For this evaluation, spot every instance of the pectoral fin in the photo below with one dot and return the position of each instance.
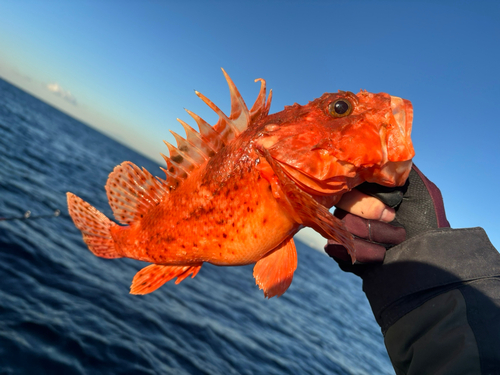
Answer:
(153, 276)
(305, 210)
(274, 273)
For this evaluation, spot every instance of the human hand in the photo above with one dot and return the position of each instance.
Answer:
(368, 215)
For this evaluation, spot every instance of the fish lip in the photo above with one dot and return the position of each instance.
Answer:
(401, 147)
(318, 189)
(398, 107)
(326, 199)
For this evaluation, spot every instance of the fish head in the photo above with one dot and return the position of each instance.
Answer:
(341, 140)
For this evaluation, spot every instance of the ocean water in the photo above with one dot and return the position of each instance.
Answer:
(65, 311)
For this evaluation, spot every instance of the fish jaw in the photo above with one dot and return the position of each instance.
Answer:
(329, 156)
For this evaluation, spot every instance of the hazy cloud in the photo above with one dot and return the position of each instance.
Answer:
(59, 91)
(19, 74)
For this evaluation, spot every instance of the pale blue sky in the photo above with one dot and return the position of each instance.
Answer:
(130, 67)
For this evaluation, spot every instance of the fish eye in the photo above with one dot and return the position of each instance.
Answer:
(340, 108)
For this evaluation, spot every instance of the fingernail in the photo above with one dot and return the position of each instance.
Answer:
(388, 215)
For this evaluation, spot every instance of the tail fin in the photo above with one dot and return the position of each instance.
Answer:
(95, 227)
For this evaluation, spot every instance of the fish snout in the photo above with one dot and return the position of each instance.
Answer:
(399, 144)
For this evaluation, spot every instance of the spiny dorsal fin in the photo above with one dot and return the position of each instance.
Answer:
(207, 133)
(225, 127)
(197, 141)
(181, 159)
(197, 148)
(240, 117)
(260, 108)
(132, 192)
(189, 149)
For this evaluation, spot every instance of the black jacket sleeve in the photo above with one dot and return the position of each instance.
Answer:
(437, 298)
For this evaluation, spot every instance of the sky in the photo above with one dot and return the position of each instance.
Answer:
(129, 68)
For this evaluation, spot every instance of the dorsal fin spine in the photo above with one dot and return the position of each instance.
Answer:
(171, 181)
(194, 150)
(268, 104)
(177, 157)
(207, 132)
(173, 172)
(197, 141)
(239, 116)
(225, 127)
(260, 107)
(188, 149)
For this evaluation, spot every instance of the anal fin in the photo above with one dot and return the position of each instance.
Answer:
(154, 276)
(274, 273)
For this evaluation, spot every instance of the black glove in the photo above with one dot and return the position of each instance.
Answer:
(419, 208)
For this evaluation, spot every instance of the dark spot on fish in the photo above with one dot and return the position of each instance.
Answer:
(177, 159)
(171, 169)
(183, 246)
(224, 235)
(264, 221)
(195, 244)
(254, 235)
(248, 209)
(183, 148)
(269, 187)
(220, 245)
(232, 225)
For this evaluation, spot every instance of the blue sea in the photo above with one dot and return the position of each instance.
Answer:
(65, 311)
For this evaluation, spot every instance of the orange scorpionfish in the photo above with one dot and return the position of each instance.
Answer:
(237, 192)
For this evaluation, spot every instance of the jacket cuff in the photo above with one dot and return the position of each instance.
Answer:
(425, 266)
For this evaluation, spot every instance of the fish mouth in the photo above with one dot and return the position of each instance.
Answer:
(314, 185)
(399, 144)
(399, 107)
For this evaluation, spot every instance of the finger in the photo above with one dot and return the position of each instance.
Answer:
(366, 252)
(365, 206)
(374, 231)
